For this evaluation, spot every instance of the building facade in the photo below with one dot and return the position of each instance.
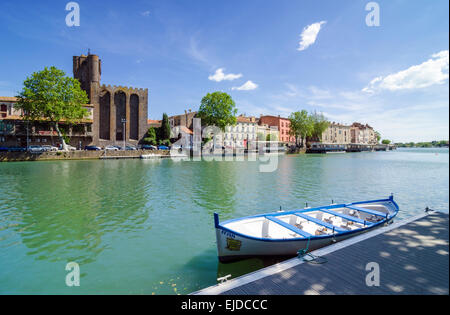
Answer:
(363, 134)
(241, 134)
(262, 131)
(283, 126)
(337, 134)
(120, 113)
(17, 132)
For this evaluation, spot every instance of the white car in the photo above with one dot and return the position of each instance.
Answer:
(36, 149)
(50, 148)
(111, 148)
(71, 148)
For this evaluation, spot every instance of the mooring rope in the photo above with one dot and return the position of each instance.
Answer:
(302, 253)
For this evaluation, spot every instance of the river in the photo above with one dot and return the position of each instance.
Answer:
(146, 226)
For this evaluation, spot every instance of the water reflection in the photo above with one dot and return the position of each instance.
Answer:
(62, 210)
(214, 186)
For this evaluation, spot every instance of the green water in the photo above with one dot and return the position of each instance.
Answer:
(143, 227)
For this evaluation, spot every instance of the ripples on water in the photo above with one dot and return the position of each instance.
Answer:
(143, 227)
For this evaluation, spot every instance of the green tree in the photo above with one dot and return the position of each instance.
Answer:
(320, 124)
(386, 141)
(271, 137)
(443, 143)
(218, 109)
(49, 95)
(164, 130)
(302, 126)
(151, 136)
(378, 135)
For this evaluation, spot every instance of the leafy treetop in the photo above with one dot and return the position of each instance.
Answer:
(218, 109)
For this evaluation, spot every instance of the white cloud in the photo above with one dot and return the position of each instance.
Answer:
(220, 76)
(199, 54)
(309, 35)
(145, 13)
(431, 72)
(407, 118)
(247, 86)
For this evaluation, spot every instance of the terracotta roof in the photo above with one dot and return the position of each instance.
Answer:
(245, 119)
(8, 99)
(272, 116)
(186, 130)
(154, 123)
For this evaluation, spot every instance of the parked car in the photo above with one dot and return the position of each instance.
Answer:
(69, 147)
(92, 148)
(163, 147)
(50, 148)
(148, 147)
(4, 149)
(36, 149)
(112, 148)
(16, 149)
(130, 148)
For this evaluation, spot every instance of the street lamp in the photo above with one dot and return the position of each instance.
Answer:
(124, 121)
(28, 137)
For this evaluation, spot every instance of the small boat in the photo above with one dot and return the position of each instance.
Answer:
(285, 233)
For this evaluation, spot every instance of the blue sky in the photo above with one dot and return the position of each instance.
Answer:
(394, 76)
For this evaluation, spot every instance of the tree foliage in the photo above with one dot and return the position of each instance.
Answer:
(151, 136)
(271, 137)
(378, 135)
(218, 109)
(302, 125)
(320, 124)
(164, 130)
(386, 141)
(50, 95)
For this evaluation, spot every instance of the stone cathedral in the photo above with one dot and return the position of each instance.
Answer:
(112, 105)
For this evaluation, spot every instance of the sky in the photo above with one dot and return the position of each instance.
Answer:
(273, 57)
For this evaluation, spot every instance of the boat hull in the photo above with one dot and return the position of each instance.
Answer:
(232, 245)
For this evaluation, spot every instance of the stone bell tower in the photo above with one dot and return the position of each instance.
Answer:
(88, 70)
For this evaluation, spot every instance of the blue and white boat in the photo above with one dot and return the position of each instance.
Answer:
(285, 233)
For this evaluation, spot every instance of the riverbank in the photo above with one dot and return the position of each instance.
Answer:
(75, 155)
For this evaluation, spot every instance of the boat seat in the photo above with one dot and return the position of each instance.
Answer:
(265, 229)
(288, 226)
(319, 216)
(369, 211)
(328, 225)
(321, 231)
(346, 217)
